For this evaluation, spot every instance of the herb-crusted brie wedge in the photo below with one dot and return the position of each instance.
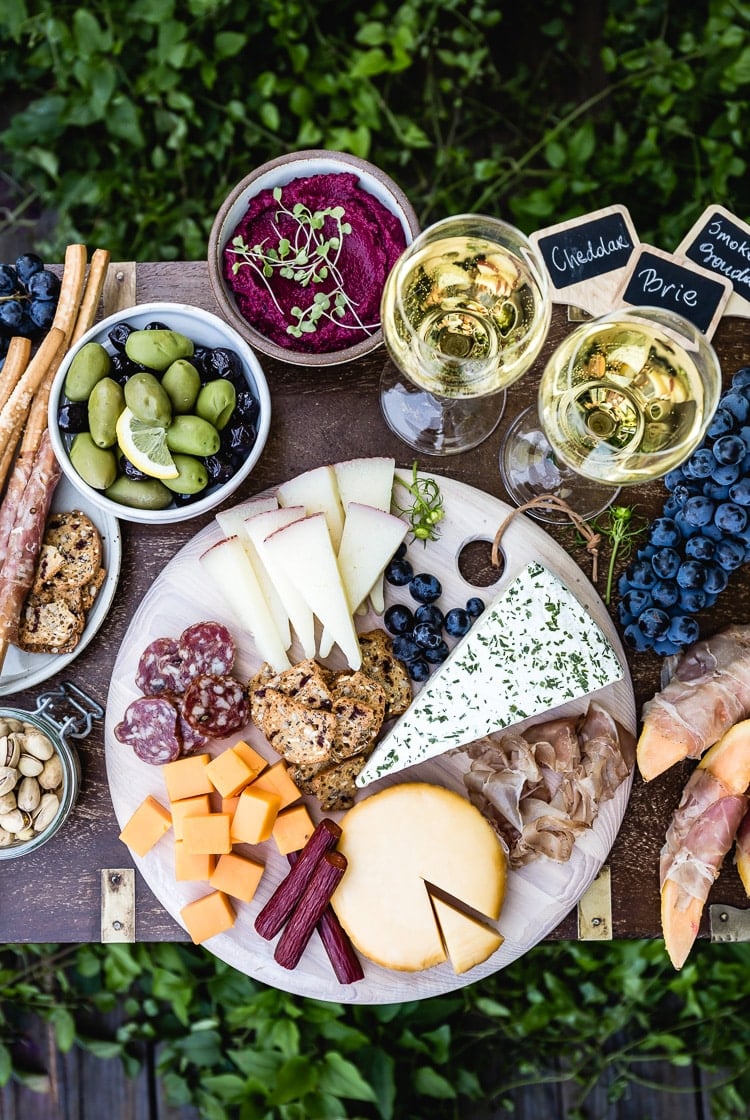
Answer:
(533, 649)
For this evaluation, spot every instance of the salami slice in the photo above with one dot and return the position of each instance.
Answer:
(159, 668)
(205, 648)
(150, 725)
(216, 705)
(192, 740)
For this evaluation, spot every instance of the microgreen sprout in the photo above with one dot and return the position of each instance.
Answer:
(621, 527)
(426, 510)
(307, 252)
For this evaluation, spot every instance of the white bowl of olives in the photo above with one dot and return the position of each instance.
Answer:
(159, 413)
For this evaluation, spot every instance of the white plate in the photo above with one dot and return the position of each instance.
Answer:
(539, 895)
(25, 670)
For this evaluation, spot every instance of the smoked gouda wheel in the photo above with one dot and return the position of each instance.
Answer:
(400, 841)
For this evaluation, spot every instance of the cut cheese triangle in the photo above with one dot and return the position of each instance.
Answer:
(258, 528)
(396, 842)
(370, 482)
(304, 552)
(468, 941)
(317, 491)
(534, 648)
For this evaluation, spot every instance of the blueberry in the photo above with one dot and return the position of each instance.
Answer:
(398, 572)
(722, 422)
(665, 593)
(26, 265)
(405, 648)
(715, 578)
(653, 622)
(398, 619)
(700, 547)
(730, 555)
(44, 285)
(739, 492)
(418, 669)
(665, 532)
(640, 574)
(431, 614)
(475, 606)
(425, 588)
(438, 653)
(665, 562)
(730, 518)
(458, 622)
(729, 449)
(635, 638)
(426, 636)
(699, 510)
(683, 630)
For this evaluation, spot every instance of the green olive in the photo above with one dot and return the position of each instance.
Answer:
(106, 402)
(193, 476)
(191, 435)
(182, 383)
(157, 349)
(95, 465)
(216, 402)
(149, 493)
(91, 364)
(146, 399)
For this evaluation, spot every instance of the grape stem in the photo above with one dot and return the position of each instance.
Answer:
(621, 528)
(426, 510)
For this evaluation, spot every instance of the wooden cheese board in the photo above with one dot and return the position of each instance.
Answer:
(539, 895)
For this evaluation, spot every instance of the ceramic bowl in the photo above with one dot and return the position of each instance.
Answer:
(278, 173)
(205, 330)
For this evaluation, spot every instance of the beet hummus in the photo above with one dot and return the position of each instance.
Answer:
(308, 262)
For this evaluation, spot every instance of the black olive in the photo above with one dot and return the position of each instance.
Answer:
(201, 359)
(224, 362)
(73, 417)
(131, 471)
(218, 468)
(239, 437)
(156, 326)
(121, 367)
(247, 407)
(118, 336)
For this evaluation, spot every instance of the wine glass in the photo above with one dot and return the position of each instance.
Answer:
(465, 312)
(624, 399)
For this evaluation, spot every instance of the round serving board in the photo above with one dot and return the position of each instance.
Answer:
(538, 896)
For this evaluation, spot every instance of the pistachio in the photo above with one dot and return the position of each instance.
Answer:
(37, 744)
(29, 766)
(7, 802)
(46, 812)
(8, 778)
(14, 724)
(6, 838)
(51, 774)
(10, 749)
(25, 834)
(4, 727)
(13, 821)
(29, 794)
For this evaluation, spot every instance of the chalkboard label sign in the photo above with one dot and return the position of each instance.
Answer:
(585, 257)
(720, 242)
(658, 279)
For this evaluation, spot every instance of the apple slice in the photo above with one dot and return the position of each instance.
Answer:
(229, 567)
(368, 542)
(232, 523)
(370, 482)
(317, 491)
(304, 551)
(258, 528)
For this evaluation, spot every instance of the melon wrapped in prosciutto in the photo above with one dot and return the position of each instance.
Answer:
(542, 788)
(709, 692)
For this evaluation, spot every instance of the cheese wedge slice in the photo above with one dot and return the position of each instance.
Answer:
(232, 524)
(468, 942)
(368, 481)
(317, 491)
(229, 568)
(534, 648)
(258, 528)
(397, 842)
(303, 550)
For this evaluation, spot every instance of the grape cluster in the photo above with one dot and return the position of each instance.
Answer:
(418, 633)
(702, 536)
(28, 300)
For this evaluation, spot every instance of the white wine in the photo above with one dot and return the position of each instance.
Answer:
(624, 399)
(464, 316)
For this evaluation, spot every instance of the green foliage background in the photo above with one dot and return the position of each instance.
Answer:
(131, 119)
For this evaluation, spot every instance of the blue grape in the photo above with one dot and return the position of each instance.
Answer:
(398, 619)
(665, 532)
(429, 612)
(426, 636)
(683, 630)
(727, 473)
(418, 669)
(692, 599)
(475, 606)
(635, 638)
(437, 653)
(665, 647)
(653, 622)
(399, 572)
(699, 510)
(665, 593)
(730, 518)
(700, 547)
(691, 574)
(739, 492)
(640, 574)
(425, 588)
(715, 579)
(635, 601)
(741, 379)
(405, 648)
(674, 478)
(721, 423)
(700, 464)
(457, 622)
(735, 402)
(666, 562)
(730, 554)
(729, 449)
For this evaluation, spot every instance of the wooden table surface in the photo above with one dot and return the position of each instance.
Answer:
(321, 416)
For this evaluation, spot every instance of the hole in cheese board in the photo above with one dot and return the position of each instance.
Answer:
(474, 561)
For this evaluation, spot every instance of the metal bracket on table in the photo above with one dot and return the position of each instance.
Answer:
(595, 909)
(118, 904)
(728, 923)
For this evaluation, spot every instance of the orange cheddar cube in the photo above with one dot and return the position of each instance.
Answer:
(187, 777)
(254, 760)
(188, 807)
(191, 865)
(205, 917)
(148, 824)
(229, 772)
(292, 829)
(237, 876)
(229, 804)
(207, 834)
(276, 780)
(254, 816)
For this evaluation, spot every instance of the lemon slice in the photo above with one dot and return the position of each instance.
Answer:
(145, 444)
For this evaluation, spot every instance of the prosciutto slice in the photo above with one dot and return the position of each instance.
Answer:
(700, 834)
(709, 692)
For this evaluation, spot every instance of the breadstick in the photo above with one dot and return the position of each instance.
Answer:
(71, 290)
(13, 412)
(92, 294)
(16, 361)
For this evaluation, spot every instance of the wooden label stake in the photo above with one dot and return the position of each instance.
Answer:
(119, 287)
(595, 909)
(118, 904)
